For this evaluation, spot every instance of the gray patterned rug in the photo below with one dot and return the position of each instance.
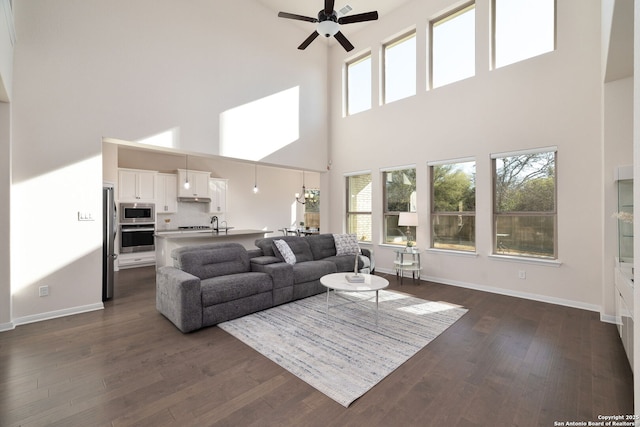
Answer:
(344, 354)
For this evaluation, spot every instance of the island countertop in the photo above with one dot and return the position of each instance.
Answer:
(168, 240)
(206, 233)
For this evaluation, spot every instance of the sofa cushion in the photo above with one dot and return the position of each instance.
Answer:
(322, 245)
(212, 261)
(346, 244)
(283, 251)
(217, 290)
(266, 244)
(312, 270)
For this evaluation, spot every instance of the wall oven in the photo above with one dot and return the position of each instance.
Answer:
(134, 213)
(137, 238)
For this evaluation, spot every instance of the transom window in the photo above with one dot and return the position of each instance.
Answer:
(453, 206)
(522, 29)
(525, 215)
(400, 68)
(399, 196)
(453, 54)
(359, 206)
(359, 85)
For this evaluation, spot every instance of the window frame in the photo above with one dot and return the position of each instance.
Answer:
(494, 65)
(452, 14)
(395, 41)
(349, 213)
(433, 212)
(553, 214)
(386, 213)
(351, 62)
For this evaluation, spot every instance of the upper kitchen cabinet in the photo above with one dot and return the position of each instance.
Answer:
(167, 201)
(198, 183)
(136, 185)
(218, 194)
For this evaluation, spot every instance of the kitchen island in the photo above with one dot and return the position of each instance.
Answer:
(168, 240)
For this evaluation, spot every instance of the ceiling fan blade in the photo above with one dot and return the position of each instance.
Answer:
(343, 41)
(297, 17)
(328, 7)
(308, 40)
(360, 17)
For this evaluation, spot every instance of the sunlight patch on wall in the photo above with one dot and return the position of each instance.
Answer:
(47, 233)
(168, 139)
(257, 129)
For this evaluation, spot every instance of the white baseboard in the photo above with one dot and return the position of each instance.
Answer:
(58, 313)
(511, 293)
(7, 326)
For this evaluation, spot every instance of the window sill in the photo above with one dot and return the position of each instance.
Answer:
(453, 252)
(539, 261)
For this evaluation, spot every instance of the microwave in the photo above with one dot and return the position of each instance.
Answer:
(134, 213)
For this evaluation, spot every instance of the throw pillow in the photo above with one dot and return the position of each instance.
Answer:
(285, 251)
(346, 244)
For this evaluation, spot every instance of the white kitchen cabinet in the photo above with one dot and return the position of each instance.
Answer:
(218, 194)
(198, 183)
(167, 200)
(136, 185)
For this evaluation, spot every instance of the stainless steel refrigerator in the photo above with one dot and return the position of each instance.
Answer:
(109, 255)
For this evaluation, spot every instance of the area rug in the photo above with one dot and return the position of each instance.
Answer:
(343, 352)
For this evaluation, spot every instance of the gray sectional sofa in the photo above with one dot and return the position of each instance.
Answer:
(213, 283)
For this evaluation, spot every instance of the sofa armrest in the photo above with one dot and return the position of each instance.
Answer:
(281, 273)
(178, 298)
(369, 254)
(264, 260)
(254, 253)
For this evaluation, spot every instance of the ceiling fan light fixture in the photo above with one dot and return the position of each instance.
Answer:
(328, 28)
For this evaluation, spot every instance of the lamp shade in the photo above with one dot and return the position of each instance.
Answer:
(408, 219)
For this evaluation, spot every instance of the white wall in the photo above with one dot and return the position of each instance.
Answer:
(7, 38)
(129, 70)
(551, 100)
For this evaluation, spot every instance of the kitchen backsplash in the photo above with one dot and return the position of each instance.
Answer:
(188, 214)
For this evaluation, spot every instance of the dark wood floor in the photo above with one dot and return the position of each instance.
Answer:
(507, 362)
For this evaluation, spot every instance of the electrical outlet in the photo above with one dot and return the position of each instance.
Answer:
(522, 274)
(43, 291)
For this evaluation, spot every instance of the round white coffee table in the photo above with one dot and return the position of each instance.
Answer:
(339, 282)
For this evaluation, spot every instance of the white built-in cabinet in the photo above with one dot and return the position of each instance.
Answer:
(624, 307)
(136, 185)
(218, 194)
(167, 200)
(198, 183)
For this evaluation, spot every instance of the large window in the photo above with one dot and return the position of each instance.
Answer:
(359, 85)
(525, 204)
(453, 54)
(359, 206)
(522, 29)
(400, 68)
(453, 206)
(399, 196)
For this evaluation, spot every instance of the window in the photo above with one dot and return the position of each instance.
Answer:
(453, 54)
(453, 206)
(312, 208)
(525, 204)
(399, 196)
(359, 206)
(522, 29)
(400, 68)
(359, 85)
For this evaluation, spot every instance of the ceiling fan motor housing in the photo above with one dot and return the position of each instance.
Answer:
(328, 24)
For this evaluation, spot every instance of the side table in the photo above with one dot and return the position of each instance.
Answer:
(407, 261)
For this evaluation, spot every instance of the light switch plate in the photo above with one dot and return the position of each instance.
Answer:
(85, 216)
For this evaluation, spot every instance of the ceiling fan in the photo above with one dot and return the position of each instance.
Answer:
(329, 24)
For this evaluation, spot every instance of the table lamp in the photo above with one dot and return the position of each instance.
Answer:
(408, 219)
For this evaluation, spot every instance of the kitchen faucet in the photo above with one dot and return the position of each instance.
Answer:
(214, 219)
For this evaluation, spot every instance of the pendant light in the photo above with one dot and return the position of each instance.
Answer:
(255, 180)
(304, 192)
(186, 184)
